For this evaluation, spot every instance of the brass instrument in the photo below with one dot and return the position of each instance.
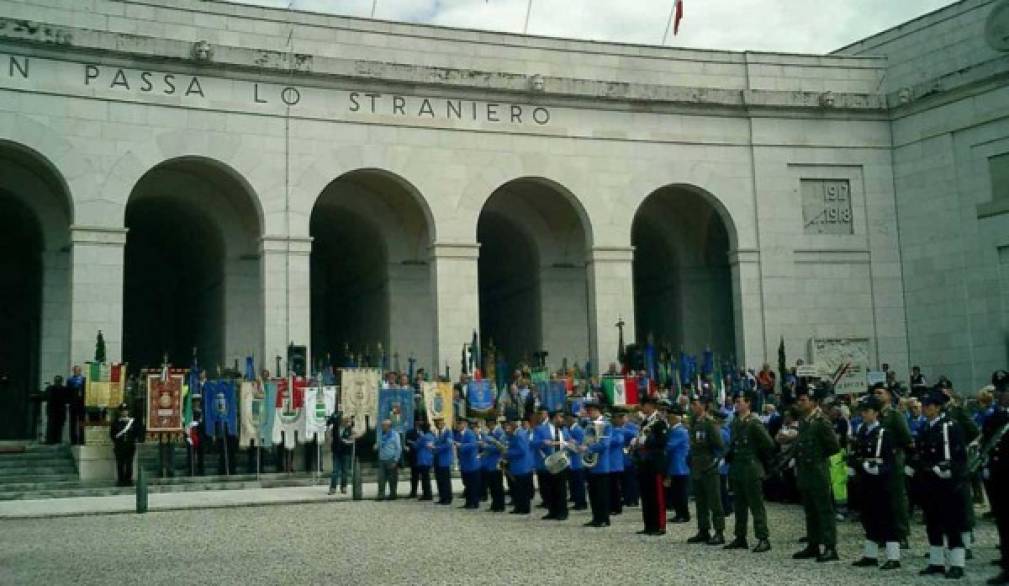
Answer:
(502, 447)
(978, 454)
(593, 434)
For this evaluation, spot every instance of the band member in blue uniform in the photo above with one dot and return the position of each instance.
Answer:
(491, 441)
(520, 467)
(677, 471)
(559, 440)
(941, 472)
(616, 457)
(576, 475)
(597, 444)
(424, 453)
(629, 489)
(443, 456)
(469, 464)
(872, 463)
(75, 398)
(538, 443)
(649, 450)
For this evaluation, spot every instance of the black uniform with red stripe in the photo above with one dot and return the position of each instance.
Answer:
(996, 472)
(650, 459)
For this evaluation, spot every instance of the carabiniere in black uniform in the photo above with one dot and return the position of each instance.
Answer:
(649, 456)
(995, 467)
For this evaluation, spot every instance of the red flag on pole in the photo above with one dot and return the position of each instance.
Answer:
(678, 17)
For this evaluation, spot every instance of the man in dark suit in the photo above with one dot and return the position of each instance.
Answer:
(649, 455)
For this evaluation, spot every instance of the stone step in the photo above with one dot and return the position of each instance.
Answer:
(34, 459)
(65, 469)
(35, 478)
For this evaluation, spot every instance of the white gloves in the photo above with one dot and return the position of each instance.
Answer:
(851, 471)
(721, 462)
(944, 474)
(908, 471)
(870, 468)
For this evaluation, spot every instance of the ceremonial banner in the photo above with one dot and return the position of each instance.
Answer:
(117, 384)
(396, 405)
(620, 391)
(360, 394)
(164, 403)
(264, 432)
(553, 395)
(96, 385)
(220, 408)
(480, 396)
(320, 402)
(438, 402)
(539, 376)
(287, 419)
(253, 410)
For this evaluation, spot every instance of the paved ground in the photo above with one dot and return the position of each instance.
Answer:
(406, 542)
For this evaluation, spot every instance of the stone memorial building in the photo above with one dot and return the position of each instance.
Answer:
(189, 173)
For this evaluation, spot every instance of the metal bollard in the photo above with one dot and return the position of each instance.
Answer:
(356, 491)
(141, 490)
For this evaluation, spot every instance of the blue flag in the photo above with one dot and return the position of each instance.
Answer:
(684, 368)
(396, 405)
(553, 395)
(651, 363)
(708, 364)
(250, 368)
(220, 407)
(480, 395)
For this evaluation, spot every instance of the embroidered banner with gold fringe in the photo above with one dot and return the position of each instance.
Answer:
(164, 402)
(359, 394)
(438, 402)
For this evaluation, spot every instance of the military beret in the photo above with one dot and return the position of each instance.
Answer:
(720, 415)
(870, 402)
(649, 400)
(123, 406)
(935, 397)
(944, 383)
(878, 386)
(676, 410)
(1000, 380)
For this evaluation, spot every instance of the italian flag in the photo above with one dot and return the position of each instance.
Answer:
(677, 16)
(620, 391)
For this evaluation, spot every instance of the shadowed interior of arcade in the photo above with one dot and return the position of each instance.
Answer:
(192, 268)
(532, 273)
(682, 278)
(34, 283)
(370, 274)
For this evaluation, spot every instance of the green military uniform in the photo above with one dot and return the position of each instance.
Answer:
(706, 448)
(896, 425)
(814, 445)
(749, 446)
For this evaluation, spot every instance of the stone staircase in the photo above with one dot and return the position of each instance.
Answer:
(36, 471)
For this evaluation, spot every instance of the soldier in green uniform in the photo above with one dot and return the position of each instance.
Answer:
(958, 414)
(749, 449)
(706, 449)
(895, 424)
(814, 446)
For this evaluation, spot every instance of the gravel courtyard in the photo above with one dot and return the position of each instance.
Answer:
(406, 542)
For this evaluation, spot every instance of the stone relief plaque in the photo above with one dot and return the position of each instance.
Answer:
(842, 360)
(826, 206)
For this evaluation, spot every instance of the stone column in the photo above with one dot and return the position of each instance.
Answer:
(286, 297)
(748, 307)
(456, 293)
(96, 291)
(611, 298)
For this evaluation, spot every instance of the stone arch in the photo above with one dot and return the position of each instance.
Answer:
(535, 238)
(192, 266)
(370, 272)
(36, 211)
(683, 287)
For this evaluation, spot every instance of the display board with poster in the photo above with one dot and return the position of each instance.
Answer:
(843, 361)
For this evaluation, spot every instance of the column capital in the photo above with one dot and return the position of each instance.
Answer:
(611, 254)
(279, 243)
(744, 255)
(98, 235)
(460, 250)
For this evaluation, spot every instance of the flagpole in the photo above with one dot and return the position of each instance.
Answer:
(529, 9)
(669, 22)
(374, 5)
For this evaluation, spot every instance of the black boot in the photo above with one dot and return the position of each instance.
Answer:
(954, 573)
(718, 539)
(737, 543)
(810, 552)
(762, 546)
(932, 569)
(699, 538)
(890, 565)
(1001, 578)
(865, 563)
(829, 554)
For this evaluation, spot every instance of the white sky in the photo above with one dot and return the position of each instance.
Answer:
(806, 26)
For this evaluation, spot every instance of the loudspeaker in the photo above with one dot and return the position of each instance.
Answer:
(297, 357)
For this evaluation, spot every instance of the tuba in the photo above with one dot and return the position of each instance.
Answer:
(593, 433)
